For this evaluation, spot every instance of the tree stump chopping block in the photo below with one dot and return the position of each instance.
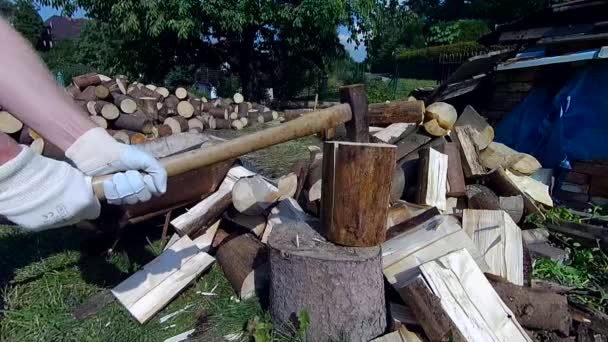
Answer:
(340, 288)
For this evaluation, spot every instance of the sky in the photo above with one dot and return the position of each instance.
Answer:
(358, 53)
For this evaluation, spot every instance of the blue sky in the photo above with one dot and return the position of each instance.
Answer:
(358, 53)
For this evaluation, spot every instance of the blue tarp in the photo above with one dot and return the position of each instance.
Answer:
(572, 124)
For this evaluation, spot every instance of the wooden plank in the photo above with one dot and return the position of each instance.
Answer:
(357, 129)
(134, 288)
(468, 151)
(411, 143)
(598, 186)
(467, 297)
(356, 190)
(581, 230)
(470, 117)
(161, 295)
(533, 188)
(456, 183)
(432, 178)
(576, 178)
(499, 239)
(205, 241)
(395, 132)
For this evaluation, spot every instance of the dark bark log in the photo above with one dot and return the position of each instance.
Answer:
(126, 103)
(481, 197)
(133, 122)
(86, 80)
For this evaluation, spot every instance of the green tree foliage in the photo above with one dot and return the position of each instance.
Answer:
(7, 9)
(27, 21)
(394, 26)
(286, 37)
(456, 32)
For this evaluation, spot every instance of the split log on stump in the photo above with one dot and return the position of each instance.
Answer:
(133, 122)
(486, 133)
(468, 151)
(357, 129)
(536, 309)
(99, 121)
(219, 113)
(195, 123)
(304, 273)
(253, 195)
(126, 103)
(185, 109)
(356, 191)
(215, 123)
(444, 113)
(86, 80)
(396, 111)
(162, 91)
(181, 93)
(244, 261)
(481, 197)
(432, 178)
(9, 124)
(456, 183)
(178, 124)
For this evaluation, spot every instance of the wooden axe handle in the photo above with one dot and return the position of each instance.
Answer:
(301, 127)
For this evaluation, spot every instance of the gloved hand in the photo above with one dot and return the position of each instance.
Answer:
(39, 193)
(97, 153)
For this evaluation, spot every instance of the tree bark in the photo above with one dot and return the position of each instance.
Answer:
(133, 122)
(356, 191)
(178, 124)
(340, 288)
(396, 111)
(126, 103)
(86, 80)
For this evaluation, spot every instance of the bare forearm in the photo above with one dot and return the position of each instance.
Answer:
(9, 148)
(29, 92)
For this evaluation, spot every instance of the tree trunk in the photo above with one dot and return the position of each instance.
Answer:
(340, 288)
(246, 68)
(133, 122)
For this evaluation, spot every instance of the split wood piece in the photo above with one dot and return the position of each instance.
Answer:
(402, 211)
(287, 210)
(500, 241)
(395, 132)
(253, 195)
(149, 106)
(411, 143)
(134, 122)
(499, 155)
(150, 289)
(185, 109)
(209, 209)
(102, 92)
(536, 309)
(86, 80)
(178, 124)
(99, 121)
(468, 151)
(244, 261)
(204, 241)
(122, 85)
(531, 187)
(357, 129)
(432, 127)
(481, 197)
(151, 86)
(504, 186)
(237, 124)
(126, 103)
(163, 91)
(403, 254)
(356, 191)
(444, 113)
(267, 116)
(426, 306)
(181, 93)
(396, 111)
(88, 94)
(164, 130)
(252, 223)
(432, 178)
(402, 314)
(9, 124)
(121, 136)
(456, 182)
(466, 296)
(136, 138)
(304, 268)
(219, 113)
(401, 335)
(513, 205)
(315, 174)
(485, 132)
(238, 98)
(195, 123)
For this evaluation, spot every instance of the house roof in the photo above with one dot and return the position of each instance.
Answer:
(64, 28)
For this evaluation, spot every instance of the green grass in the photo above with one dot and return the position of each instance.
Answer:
(380, 91)
(46, 275)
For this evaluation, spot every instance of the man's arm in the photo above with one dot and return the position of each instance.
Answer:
(29, 92)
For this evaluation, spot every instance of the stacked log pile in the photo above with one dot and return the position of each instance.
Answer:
(429, 204)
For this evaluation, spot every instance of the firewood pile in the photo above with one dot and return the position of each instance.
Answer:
(134, 113)
(424, 200)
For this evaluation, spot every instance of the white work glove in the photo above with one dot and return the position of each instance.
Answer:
(40, 193)
(96, 153)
